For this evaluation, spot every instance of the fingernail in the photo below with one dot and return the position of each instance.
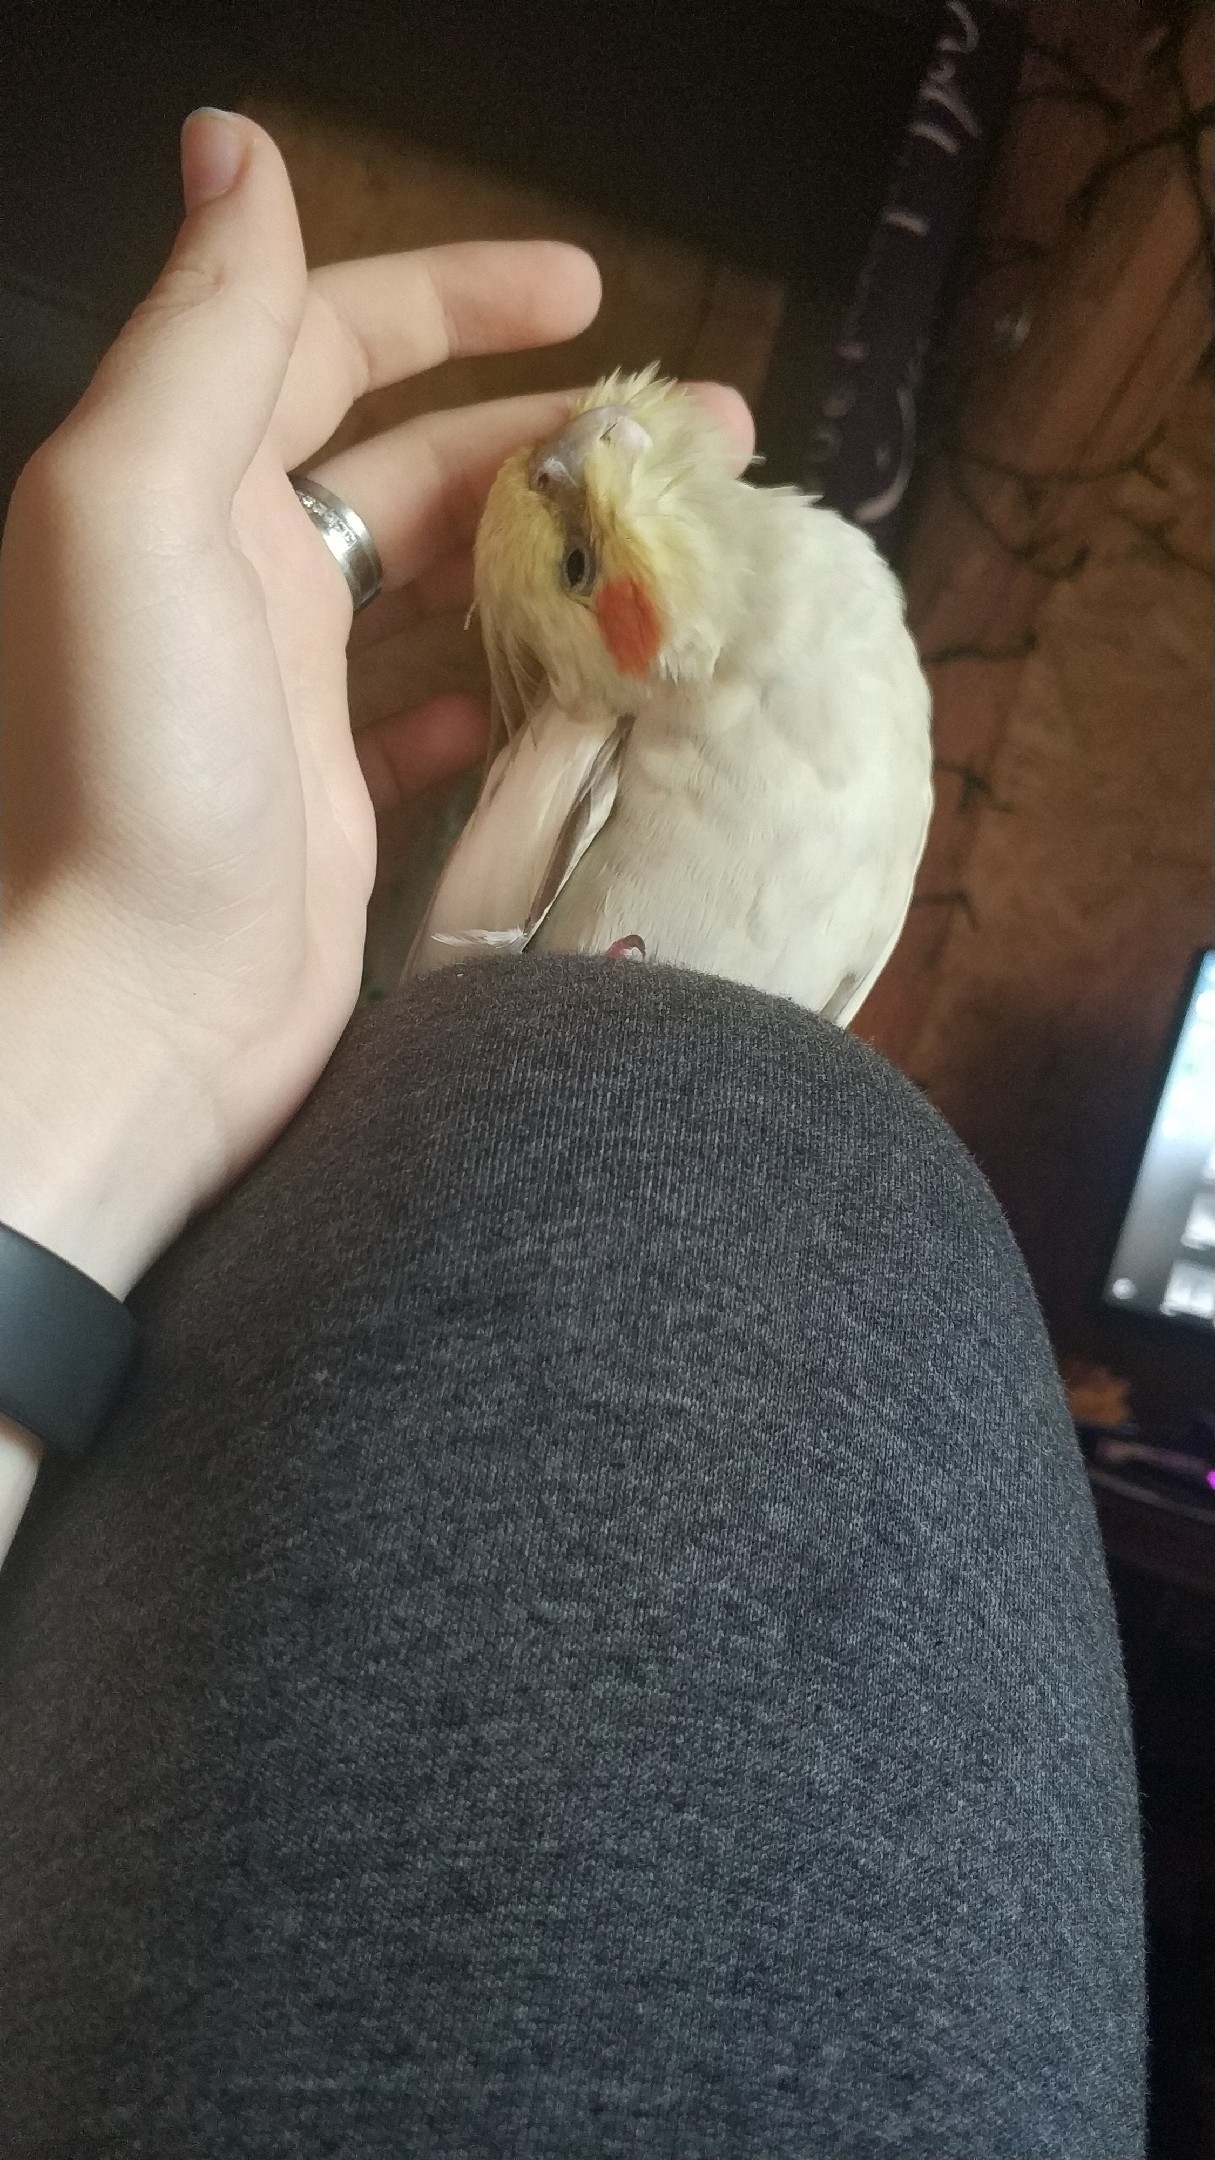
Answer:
(212, 152)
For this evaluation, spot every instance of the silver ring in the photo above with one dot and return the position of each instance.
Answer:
(347, 539)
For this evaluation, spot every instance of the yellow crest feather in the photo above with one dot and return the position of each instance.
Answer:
(655, 511)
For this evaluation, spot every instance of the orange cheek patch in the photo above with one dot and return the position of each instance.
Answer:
(628, 621)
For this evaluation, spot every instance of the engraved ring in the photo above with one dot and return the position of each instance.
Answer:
(347, 539)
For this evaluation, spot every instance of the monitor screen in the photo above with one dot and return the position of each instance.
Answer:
(1164, 1261)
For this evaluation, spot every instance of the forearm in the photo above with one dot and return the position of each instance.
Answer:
(103, 1152)
(20, 1456)
(105, 1147)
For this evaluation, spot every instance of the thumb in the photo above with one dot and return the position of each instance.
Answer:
(191, 382)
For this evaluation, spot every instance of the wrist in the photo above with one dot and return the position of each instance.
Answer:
(105, 1150)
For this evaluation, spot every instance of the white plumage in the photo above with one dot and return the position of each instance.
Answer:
(752, 801)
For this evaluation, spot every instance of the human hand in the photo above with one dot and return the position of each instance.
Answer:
(189, 836)
(189, 841)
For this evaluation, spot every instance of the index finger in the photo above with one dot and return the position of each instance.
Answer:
(370, 323)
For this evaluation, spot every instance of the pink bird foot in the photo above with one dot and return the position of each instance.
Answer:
(626, 948)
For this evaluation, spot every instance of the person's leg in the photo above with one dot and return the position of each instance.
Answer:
(588, 1636)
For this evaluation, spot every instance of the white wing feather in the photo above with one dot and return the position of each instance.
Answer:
(547, 794)
(769, 825)
(765, 825)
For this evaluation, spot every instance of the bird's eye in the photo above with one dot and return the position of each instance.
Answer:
(578, 570)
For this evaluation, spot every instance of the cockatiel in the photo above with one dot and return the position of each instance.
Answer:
(710, 734)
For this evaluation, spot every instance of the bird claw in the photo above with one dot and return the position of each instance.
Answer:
(626, 948)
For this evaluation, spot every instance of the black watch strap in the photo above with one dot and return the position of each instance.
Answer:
(65, 1345)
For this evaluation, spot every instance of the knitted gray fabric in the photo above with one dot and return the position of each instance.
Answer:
(587, 1636)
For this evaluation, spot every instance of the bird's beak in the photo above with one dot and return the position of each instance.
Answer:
(559, 467)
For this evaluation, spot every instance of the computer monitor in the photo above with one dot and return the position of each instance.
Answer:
(1164, 1260)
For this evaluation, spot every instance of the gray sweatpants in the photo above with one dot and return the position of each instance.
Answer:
(587, 1636)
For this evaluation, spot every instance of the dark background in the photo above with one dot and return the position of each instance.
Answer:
(763, 134)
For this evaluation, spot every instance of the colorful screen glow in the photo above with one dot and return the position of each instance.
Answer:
(1164, 1262)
